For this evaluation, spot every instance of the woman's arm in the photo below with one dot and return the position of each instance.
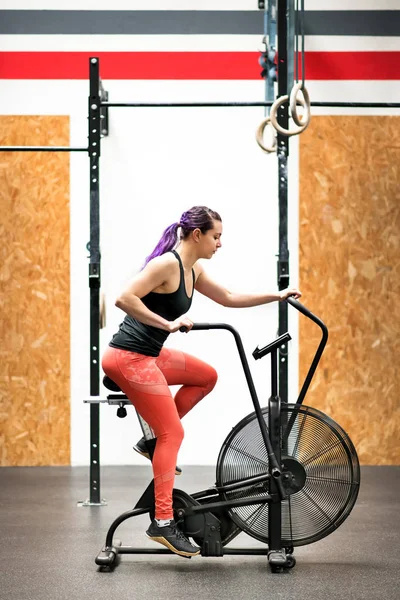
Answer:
(206, 286)
(155, 273)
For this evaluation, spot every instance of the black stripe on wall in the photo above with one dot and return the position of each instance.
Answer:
(176, 22)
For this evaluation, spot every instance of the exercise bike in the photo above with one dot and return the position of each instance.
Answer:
(287, 474)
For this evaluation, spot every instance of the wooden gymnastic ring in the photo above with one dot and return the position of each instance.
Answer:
(260, 136)
(274, 120)
(305, 118)
(102, 320)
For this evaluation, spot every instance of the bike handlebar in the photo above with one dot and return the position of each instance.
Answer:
(317, 357)
(307, 313)
(292, 301)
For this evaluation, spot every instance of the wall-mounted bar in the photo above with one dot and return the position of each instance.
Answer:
(41, 149)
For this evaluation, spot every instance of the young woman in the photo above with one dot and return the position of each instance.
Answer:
(155, 304)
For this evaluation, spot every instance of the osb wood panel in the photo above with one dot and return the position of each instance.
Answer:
(34, 294)
(350, 276)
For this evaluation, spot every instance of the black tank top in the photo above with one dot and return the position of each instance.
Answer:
(145, 339)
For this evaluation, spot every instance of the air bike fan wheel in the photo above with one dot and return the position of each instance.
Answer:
(320, 455)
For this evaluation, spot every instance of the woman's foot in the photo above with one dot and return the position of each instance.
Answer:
(173, 538)
(141, 448)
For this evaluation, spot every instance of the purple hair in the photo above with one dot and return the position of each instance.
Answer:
(198, 217)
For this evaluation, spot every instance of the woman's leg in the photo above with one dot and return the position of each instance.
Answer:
(141, 380)
(198, 378)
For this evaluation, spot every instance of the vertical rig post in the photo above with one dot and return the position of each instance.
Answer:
(283, 152)
(291, 33)
(94, 277)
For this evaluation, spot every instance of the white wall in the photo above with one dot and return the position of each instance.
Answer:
(155, 164)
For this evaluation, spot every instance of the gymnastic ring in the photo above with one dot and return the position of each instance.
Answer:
(305, 118)
(260, 136)
(274, 109)
(102, 321)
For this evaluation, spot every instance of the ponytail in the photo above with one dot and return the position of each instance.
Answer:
(166, 243)
(197, 217)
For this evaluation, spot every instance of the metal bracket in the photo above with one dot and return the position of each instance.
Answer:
(87, 502)
(104, 123)
(94, 275)
(283, 274)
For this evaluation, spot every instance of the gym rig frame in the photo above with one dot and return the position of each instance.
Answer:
(98, 127)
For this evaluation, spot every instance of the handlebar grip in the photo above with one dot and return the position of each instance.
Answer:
(203, 327)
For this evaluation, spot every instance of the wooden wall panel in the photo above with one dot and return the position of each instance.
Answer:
(34, 294)
(350, 275)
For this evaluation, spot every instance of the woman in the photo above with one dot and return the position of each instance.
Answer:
(155, 304)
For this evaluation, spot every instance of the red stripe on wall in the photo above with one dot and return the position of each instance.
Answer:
(193, 65)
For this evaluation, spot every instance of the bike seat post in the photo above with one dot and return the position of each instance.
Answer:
(276, 487)
(274, 409)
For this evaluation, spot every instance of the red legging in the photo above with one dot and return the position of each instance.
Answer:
(145, 381)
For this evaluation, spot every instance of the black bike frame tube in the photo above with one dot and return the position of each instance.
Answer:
(287, 427)
(274, 423)
(126, 515)
(232, 551)
(305, 311)
(223, 505)
(235, 485)
(274, 369)
(263, 427)
(94, 276)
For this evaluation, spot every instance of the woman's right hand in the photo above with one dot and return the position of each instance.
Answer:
(180, 322)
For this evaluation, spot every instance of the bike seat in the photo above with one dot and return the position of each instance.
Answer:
(110, 384)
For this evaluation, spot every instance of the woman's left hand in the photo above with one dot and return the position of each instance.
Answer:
(289, 293)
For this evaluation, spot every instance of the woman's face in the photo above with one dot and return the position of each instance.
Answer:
(211, 240)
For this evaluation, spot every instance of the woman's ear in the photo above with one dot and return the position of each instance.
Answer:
(196, 235)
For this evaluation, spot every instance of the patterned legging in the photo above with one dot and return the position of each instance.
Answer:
(145, 381)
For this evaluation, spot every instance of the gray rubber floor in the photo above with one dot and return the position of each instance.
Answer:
(48, 544)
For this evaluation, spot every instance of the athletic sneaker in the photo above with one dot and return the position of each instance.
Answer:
(141, 448)
(173, 538)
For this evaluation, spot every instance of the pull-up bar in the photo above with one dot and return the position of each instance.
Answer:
(244, 104)
(193, 105)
